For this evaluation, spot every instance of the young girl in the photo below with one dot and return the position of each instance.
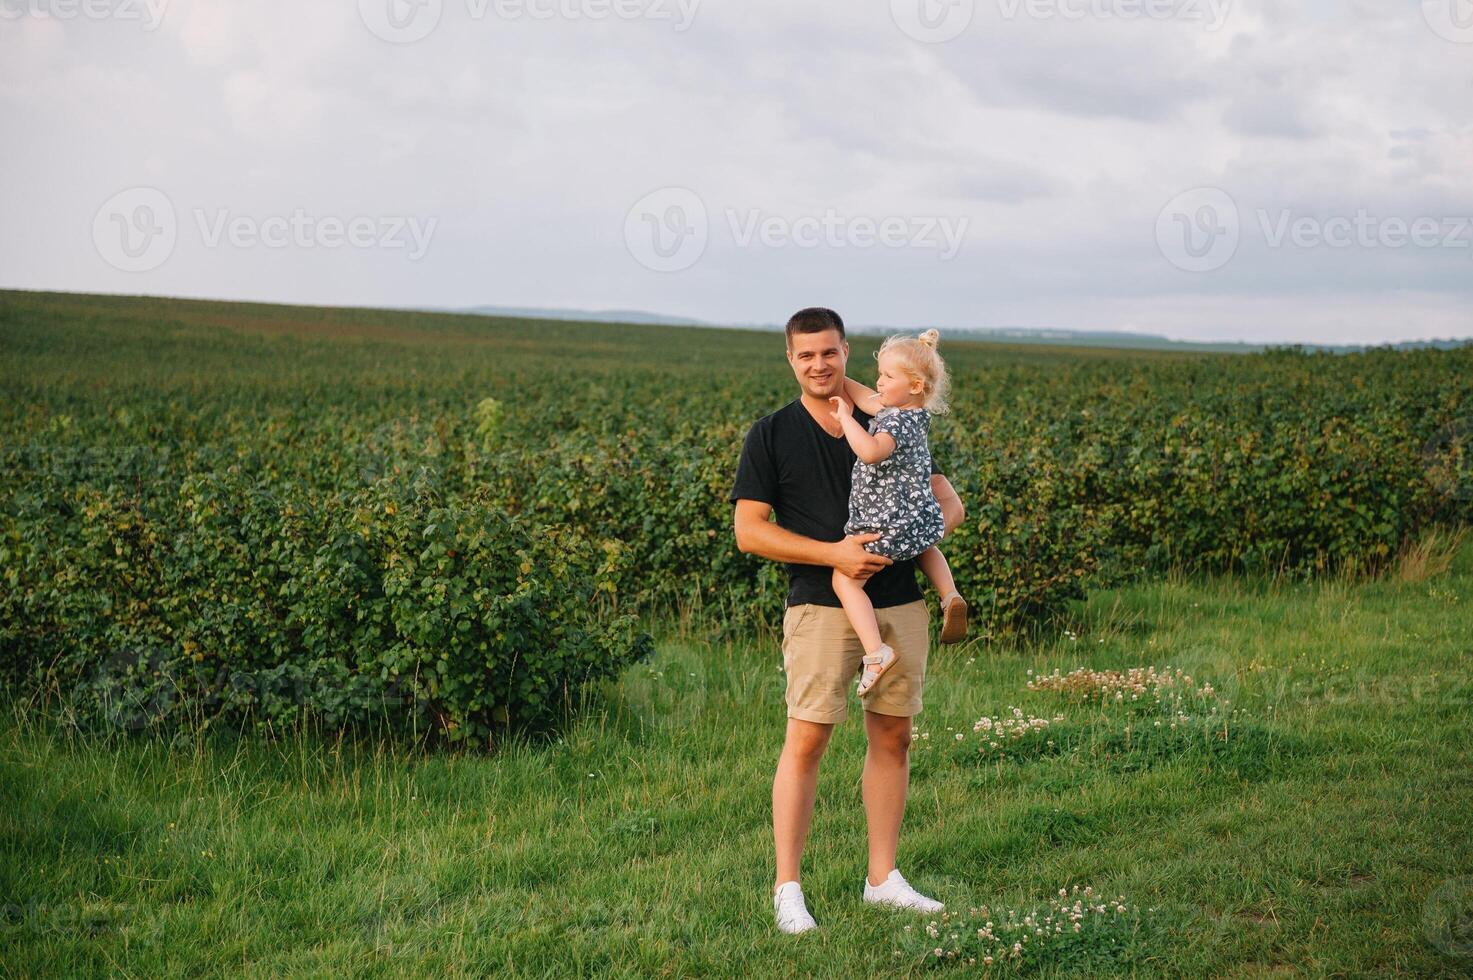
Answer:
(891, 487)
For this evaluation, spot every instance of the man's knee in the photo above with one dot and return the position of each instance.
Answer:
(890, 734)
(807, 740)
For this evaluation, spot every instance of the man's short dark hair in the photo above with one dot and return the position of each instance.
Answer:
(815, 319)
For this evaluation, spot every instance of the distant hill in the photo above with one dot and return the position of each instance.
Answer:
(588, 316)
(1049, 336)
(1073, 338)
(1011, 335)
(1143, 341)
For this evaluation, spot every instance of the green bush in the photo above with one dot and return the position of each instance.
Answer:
(217, 473)
(268, 604)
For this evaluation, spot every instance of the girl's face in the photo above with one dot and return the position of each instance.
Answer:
(896, 387)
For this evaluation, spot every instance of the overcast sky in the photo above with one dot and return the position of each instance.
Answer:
(1203, 169)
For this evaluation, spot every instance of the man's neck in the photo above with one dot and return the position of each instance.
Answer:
(822, 410)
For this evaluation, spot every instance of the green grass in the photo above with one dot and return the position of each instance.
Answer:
(640, 842)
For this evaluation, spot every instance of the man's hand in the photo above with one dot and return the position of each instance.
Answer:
(850, 557)
(841, 409)
(756, 534)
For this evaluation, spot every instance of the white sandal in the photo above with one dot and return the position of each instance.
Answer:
(877, 663)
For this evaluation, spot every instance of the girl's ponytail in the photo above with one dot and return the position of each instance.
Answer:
(930, 338)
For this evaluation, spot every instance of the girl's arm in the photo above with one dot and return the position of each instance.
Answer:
(870, 449)
(860, 395)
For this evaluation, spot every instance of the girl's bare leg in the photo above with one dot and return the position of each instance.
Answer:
(858, 608)
(933, 563)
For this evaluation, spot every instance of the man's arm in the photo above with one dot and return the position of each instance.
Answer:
(757, 535)
(864, 397)
(952, 511)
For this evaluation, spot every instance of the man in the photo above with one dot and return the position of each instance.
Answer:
(795, 466)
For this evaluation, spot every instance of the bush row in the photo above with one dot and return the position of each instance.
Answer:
(454, 533)
(237, 600)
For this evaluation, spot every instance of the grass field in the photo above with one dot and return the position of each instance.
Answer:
(1325, 836)
(1288, 792)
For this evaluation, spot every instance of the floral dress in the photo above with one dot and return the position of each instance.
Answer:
(893, 497)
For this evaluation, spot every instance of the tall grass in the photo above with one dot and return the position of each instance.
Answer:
(1313, 839)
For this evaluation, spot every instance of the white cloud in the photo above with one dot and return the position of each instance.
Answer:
(1056, 140)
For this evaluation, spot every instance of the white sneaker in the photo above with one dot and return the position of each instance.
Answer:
(792, 914)
(896, 891)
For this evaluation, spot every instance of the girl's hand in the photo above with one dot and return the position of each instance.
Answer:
(842, 409)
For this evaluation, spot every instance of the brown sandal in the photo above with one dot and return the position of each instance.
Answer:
(954, 619)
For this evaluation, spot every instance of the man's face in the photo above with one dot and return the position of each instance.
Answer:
(818, 361)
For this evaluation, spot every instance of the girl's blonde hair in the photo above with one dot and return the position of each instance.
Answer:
(918, 357)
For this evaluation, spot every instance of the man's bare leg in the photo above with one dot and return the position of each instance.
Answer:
(886, 779)
(793, 791)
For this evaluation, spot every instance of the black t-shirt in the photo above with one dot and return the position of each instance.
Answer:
(790, 462)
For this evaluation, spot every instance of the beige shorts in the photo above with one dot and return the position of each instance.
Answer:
(821, 656)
